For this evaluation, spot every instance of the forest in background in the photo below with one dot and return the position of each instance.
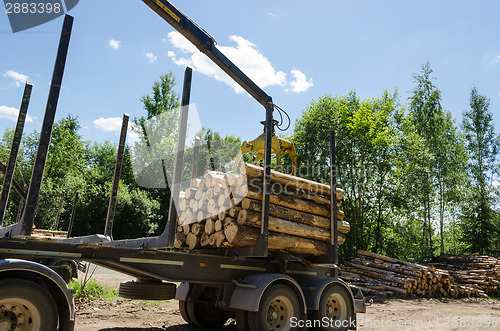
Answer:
(417, 183)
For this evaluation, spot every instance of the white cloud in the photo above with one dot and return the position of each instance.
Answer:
(17, 77)
(108, 124)
(11, 114)
(244, 54)
(180, 42)
(152, 58)
(114, 124)
(271, 14)
(300, 82)
(115, 44)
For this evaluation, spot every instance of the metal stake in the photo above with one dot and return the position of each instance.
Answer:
(196, 151)
(108, 229)
(11, 164)
(264, 228)
(73, 214)
(333, 202)
(29, 214)
(179, 158)
(56, 224)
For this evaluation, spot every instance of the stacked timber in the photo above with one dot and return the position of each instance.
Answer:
(477, 271)
(375, 272)
(224, 210)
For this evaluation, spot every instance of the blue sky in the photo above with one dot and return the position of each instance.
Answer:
(296, 51)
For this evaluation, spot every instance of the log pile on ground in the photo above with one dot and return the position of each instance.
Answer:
(383, 275)
(481, 272)
(224, 210)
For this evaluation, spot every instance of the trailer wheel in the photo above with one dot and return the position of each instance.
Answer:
(184, 312)
(206, 316)
(241, 317)
(335, 304)
(278, 305)
(25, 305)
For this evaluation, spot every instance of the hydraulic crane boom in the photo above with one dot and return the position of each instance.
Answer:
(206, 44)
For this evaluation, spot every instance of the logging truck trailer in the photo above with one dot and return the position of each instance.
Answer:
(260, 289)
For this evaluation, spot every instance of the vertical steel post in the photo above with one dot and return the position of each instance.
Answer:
(333, 201)
(264, 228)
(196, 151)
(179, 157)
(56, 224)
(73, 214)
(29, 214)
(11, 164)
(110, 216)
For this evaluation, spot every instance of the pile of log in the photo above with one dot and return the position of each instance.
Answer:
(386, 275)
(477, 271)
(41, 234)
(224, 210)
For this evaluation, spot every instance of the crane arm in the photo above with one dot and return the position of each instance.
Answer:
(206, 44)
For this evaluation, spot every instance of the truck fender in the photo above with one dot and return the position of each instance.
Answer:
(56, 285)
(248, 292)
(182, 291)
(313, 287)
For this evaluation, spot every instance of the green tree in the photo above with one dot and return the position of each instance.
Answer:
(482, 146)
(364, 132)
(163, 100)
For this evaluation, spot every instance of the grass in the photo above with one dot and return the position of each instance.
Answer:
(91, 290)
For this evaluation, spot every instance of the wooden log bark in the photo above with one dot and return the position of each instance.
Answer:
(179, 240)
(296, 215)
(285, 200)
(205, 239)
(276, 224)
(291, 181)
(297, 193)
(244, 236)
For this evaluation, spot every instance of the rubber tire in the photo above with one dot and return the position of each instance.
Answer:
(207, 316)
(184, 312)
(327, 292)
(257, 321)
(147, 290)
(241, 317)
(34, 293)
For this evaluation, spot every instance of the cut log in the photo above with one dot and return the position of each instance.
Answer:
(192, 240)
(291, 181)
(219, 238)
(244, 236)
(276, 224)
(297, 216)
(205, 239)
(186, 228)
(190, 193)
(285, 200)
(196, 228)
(209, 226)
(217, 225)
(179, 240)
(233, 212)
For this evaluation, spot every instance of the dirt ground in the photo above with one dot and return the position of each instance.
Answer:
(388, 314)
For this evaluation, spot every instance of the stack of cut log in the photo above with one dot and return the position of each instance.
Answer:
(224, 210)
(378, 273)
(476, 271)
